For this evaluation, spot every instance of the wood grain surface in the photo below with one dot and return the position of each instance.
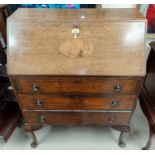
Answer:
(61, 80)
(98, 85)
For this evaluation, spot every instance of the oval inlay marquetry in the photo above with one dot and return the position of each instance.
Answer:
(76, 48)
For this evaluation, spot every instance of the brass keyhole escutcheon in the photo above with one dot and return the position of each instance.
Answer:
(75, 32)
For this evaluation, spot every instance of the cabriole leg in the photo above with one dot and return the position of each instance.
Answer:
(122, 129)
(30, 130)
(148, 144)
(120, 141)
(34, 140)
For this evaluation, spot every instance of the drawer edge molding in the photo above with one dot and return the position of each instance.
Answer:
(99, 111)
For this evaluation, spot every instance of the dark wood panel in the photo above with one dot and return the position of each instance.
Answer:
(146, 106)
(149, 83)
(77, 118)
(77, 102)
(147, 95)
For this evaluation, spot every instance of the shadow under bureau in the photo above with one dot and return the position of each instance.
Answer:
(76, 67)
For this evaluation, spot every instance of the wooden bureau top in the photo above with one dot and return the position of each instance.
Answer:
(76, 14)
(110, 42)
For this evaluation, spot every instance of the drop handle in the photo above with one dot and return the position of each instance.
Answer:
(114, 103)
(38, 102)
(42, 119)
(75, 31)
(35, 88)
(117, 88)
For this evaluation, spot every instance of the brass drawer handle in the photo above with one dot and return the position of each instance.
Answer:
(111, 120)
(117, 88)
(42, 119)
(75, 31)
(35, 88)
(38, 102)
(114, 103)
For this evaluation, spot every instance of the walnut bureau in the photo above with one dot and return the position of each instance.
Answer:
(76, 67)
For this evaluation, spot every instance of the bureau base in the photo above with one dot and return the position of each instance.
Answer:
(105, 101)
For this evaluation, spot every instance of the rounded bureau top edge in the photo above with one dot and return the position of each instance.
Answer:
(106, 14)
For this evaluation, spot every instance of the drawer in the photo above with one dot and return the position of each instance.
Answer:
(77, 102)
(77, 118)
(83, 85)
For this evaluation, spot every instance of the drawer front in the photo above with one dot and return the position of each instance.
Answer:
(76, 102)
(77, 118)
(86, 85)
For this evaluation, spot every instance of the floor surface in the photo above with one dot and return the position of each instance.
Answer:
(82, 138)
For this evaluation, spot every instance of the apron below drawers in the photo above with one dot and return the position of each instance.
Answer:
(76, 118)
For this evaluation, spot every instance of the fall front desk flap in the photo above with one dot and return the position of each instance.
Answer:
(109, 42)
